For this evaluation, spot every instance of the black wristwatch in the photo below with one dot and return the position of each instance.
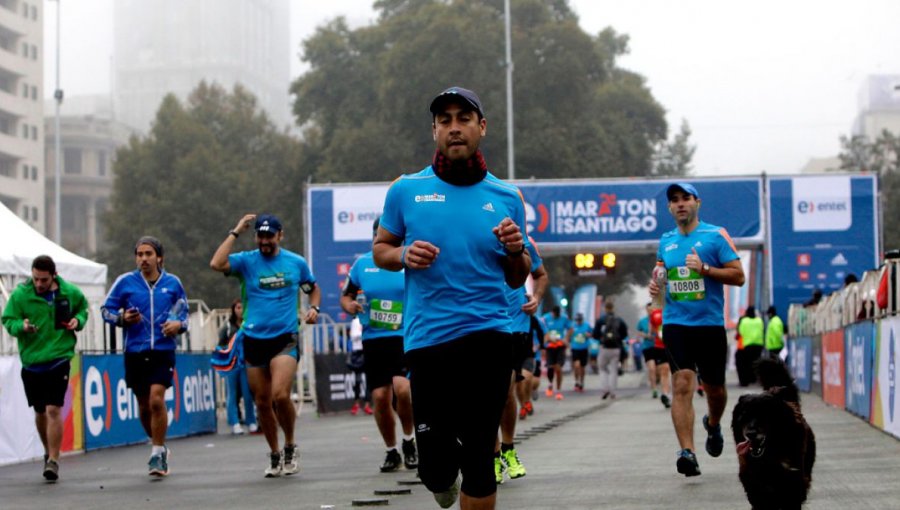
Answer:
(233, 233)
(705, 268)
(314, 307)
(515, 253)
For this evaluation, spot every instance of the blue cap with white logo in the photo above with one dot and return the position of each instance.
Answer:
(267, 224)
(683, 187)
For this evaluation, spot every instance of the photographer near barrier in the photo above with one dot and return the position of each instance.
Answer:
(844, 348)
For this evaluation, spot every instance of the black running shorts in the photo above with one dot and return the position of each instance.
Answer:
(703, 349)
(656, 355)
(46, 387)
(144, 369)
(581, 356)
(384, 360)
(556, 356)
(258, 352)
(523, 354)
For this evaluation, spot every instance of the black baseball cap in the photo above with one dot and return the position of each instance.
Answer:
(466, 96)
(268, 224)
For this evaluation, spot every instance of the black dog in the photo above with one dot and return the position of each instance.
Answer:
(776, 448)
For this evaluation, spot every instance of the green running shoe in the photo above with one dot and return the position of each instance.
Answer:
(513, 466)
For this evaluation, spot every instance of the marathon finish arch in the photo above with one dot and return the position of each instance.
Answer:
(563, 216)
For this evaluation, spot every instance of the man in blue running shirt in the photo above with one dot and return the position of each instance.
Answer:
(699, 260)
(271, 278)
(380, 313)
(454, 227)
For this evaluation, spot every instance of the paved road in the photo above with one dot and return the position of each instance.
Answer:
(596, 454)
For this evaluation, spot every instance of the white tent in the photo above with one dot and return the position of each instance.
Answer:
(20, 244)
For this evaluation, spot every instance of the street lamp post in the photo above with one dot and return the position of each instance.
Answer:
(58, 95)
(509, 97)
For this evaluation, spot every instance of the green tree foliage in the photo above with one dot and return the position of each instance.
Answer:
(674, 158)
(202, 166)
(364, 103)
(882, 157)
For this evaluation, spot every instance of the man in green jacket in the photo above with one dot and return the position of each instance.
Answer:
(774, 333)
(43, 314)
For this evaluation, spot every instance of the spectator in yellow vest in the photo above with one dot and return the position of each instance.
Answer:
(750, 328)
(774, 333)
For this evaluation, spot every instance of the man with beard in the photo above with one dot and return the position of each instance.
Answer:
(150, 305)
(699, 259)
(271, 278)
(454, 227)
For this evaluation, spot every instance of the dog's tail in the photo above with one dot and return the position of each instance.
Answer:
(773, 373)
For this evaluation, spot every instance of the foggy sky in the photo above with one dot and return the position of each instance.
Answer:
(764, 85)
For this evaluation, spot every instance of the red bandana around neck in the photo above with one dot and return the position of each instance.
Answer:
(460, 173)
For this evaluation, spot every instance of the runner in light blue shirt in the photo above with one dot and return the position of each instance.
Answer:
(456, 230)
(375, 296)
(699, 259)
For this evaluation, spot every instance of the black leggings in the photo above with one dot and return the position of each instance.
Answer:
(457, 416)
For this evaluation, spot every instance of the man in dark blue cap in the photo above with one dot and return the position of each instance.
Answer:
(271, 278)
(699, 259)
(455, 228)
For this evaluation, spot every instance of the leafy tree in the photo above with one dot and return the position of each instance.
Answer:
(202, 166)
(881, 157)
(363, 104)
(674, 158)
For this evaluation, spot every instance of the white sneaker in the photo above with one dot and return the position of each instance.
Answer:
(237, 429)
(274, 469)
(447, 498)
(289, 464)
(253, 428)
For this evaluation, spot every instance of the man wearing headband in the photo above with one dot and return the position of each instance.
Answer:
(271, 278)
(150, 305)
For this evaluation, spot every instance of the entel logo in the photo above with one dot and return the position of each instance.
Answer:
(809, 207)
(350, 217)
(196, 390)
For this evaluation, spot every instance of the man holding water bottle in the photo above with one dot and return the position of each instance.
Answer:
(695, 261)
(375, 296)
(150, 305)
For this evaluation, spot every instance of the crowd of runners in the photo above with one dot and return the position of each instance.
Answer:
(451, 280)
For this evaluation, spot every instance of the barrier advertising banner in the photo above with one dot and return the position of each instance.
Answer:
(885, 398)
(560, 216)
(833, 368)
(334, 383)
(111, 416)
(19, 439)
(815, 370)
(801, 362)
(858, 348)
(820, 229)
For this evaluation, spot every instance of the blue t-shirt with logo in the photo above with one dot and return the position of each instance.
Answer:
(463, 290)
(521, 321)
(581, 335)
(556, 327)
(691, 298)
(269, 287)
(643, 325)
(384, 297)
